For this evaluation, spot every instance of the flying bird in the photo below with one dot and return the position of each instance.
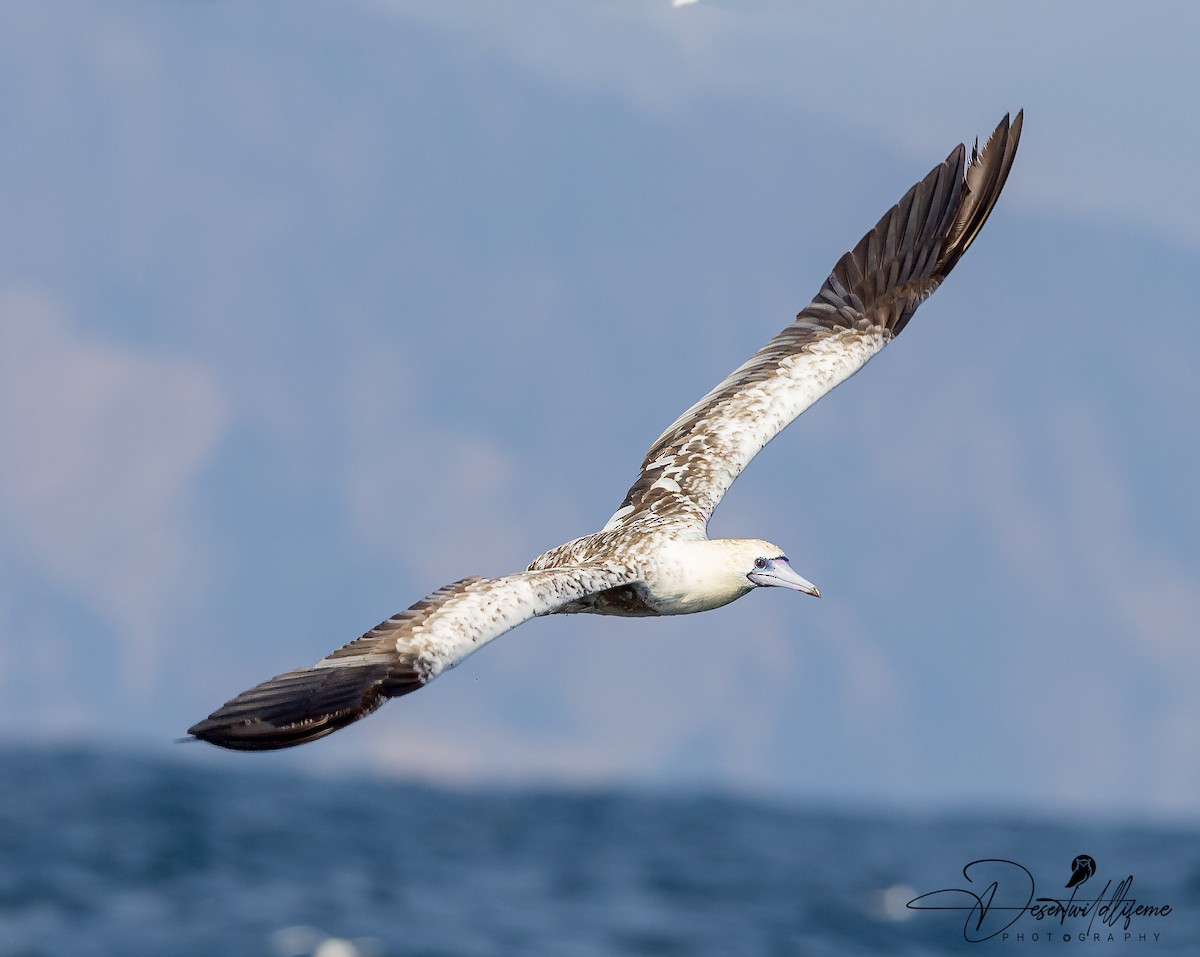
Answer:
(654, 556)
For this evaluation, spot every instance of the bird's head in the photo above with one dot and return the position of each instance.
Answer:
(709, 574)
(765, 565)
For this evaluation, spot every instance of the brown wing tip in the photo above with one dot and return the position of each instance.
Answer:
(299, 706)
(984, 179)
(919, 240)
(258, 735)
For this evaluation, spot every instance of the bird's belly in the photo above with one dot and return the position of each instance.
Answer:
(634, 601)
(624, 601)
(693, 603)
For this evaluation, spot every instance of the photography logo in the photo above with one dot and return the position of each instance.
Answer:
(1000, 900)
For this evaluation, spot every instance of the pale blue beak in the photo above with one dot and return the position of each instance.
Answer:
(779, 573)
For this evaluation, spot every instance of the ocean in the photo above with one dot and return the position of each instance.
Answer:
(107, 855)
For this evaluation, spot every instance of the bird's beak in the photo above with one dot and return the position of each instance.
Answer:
(779, 572)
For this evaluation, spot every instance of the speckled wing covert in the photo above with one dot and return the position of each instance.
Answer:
(399, 655)
(867, 300)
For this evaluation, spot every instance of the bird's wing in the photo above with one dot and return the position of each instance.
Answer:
(397, 656)
(867, 300)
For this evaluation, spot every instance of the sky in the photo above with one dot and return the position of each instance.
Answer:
(309, 308)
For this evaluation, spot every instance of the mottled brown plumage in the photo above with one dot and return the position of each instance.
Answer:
(867, 300)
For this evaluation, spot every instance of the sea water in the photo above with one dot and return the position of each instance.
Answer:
(103, 854)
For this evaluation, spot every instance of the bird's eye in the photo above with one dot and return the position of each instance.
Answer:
(760, 563)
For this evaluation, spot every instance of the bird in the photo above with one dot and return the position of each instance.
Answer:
(1083, 867)
(654, 557)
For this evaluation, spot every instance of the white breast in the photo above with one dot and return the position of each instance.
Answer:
(689, 577)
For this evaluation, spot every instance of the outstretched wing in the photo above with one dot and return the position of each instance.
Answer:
(867, 300)
(397, 656)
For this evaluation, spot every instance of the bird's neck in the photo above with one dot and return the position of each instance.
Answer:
(698, 576)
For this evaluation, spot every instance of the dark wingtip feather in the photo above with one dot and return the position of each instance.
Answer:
(348, 684)
(299, 706)
(257, 735)
(984, 179)
(919, 240)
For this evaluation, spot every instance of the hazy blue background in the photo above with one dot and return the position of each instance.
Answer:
(308, 308)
